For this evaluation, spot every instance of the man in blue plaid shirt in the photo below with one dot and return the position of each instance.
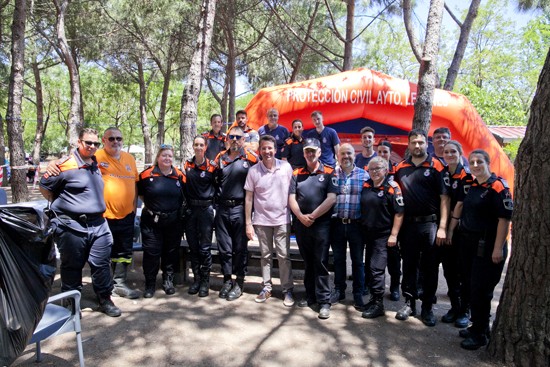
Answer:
(345, 227)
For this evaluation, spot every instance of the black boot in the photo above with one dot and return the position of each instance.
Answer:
(150, 286)
(204, 284)
(168, 284)
(237, 289)
(120, 272)
(107, 306)
(194, 288)
(375, 308)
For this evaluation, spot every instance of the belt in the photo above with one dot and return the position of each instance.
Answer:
(160, 214)
(346, 220)
(83, 218)
(202, 203)
(231, 203)
(422, 219)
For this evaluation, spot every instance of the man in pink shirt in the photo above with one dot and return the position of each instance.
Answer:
(266, 188)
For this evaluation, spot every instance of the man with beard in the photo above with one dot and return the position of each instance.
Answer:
(233, 165)
(345, 226)
(427, 205)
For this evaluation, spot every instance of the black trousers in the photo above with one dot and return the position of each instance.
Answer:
(123, 238)
(450, 259)
(481, 280)
(161, 243)
(232, 240)
(314, 244)
(394, 267)
(376, 260)
(198, 231)
(79, 243)
(419, 253)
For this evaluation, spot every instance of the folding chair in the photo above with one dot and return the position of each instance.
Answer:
(59, 320)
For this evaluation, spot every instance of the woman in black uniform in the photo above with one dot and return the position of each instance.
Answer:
(382, 212)
(293, 150)
(484, 227)
(460, 181)
(161, 189)
(199, 188)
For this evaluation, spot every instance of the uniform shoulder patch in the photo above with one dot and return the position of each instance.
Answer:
(393, 184)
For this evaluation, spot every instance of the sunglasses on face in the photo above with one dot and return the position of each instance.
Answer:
(231, 137)
(113, 138)
(90, 143)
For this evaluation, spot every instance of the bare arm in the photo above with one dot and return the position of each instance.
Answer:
(397, 222)
(306, 220)
(444, 209)
(248, 214)
(502, 232)
(325, 206)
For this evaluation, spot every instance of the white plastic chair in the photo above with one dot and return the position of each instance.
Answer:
(58, 320)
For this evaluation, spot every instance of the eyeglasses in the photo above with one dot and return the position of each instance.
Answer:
(231, 137)
(377, 169)
(113, 138)
(90, 143)
(165, 146)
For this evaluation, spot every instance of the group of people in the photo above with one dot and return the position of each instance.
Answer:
(426, 210)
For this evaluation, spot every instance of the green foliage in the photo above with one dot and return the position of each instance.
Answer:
(511, 149)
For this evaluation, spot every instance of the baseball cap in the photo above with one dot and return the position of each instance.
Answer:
(312, 143)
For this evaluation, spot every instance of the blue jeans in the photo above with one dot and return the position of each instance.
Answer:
(341, 234)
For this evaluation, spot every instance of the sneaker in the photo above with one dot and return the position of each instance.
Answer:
(108, 307)
(289, 299)
(235, 292)
(263, 296)
(225, 289)
(324, 311)
(404, 313)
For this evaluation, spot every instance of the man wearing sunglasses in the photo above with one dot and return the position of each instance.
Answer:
(80, 230)
(233, 165)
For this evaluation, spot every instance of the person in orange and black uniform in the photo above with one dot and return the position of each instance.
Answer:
(460, 181)
(160, 188)
(293, 150)
(484, 226)
(232, 169)
(312, 195)
(382, 209)
(79, 228)
(384, 149)
(424, 228)
(200, 190)
(215, 138)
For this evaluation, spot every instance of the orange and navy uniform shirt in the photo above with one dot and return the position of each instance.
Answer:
(120, 177)
(231, 174)
(200, 179)
(161, 194)
(459, 183)
(293, 151)
(78, 189)
(312, 188)
(484, 204)
(379, 204)
(421, 186)
(214, 144)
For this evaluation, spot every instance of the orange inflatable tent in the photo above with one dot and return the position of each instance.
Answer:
(361, 97)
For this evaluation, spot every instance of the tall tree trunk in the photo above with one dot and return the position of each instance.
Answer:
(3, 166)
(75, 114)
(40, 125)
(465, 28)
(348, 44)
(197, 71)
(19, 188)
(148, 145)
(164, 101)
(427, 75)
(521, 329)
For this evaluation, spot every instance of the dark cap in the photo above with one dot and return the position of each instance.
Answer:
(312, 143)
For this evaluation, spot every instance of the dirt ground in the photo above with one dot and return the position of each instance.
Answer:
(185, 330)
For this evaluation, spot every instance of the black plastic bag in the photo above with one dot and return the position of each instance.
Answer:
(27, 269)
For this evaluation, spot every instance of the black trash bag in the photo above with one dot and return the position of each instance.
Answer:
(27, 269)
